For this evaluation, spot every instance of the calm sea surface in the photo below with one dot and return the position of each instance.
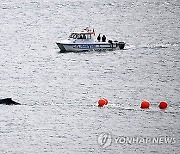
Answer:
(59, 92)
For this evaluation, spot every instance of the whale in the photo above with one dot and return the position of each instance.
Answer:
(8, 101)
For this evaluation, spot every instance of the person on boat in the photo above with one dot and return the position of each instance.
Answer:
(104, 38)
(99, 38)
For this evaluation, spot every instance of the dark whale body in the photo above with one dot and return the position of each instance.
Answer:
(8, 101)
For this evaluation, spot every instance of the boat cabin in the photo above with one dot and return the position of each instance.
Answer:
(82, 35)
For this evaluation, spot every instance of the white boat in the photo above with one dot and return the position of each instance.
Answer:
(86, 41)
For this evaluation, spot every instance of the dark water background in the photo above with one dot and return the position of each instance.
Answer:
(59, 92)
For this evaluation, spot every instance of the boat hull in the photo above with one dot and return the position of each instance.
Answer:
(68, 47)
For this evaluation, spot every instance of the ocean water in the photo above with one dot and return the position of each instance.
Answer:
(59, 91)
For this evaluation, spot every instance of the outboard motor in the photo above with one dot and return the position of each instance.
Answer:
(116, 42)
(121, 45)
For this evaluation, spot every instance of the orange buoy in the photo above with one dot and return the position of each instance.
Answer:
(145, 104)
(163, 105)
(106, 101)
(101, 102)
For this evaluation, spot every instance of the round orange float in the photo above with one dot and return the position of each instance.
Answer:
(101, 102)
(145, 104)
(163, 105)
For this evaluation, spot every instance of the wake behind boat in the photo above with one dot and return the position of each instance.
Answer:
(85, 41)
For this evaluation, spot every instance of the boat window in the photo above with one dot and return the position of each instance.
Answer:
(84, 36)
(74, 36)
(71, 36)
(88, 36)
(79, 36)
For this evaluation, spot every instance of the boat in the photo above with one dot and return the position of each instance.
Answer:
(85, 40)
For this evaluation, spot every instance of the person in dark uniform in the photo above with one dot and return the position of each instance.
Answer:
(104, 38)
(99, 38)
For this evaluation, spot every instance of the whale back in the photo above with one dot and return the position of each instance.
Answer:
(8, 101)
